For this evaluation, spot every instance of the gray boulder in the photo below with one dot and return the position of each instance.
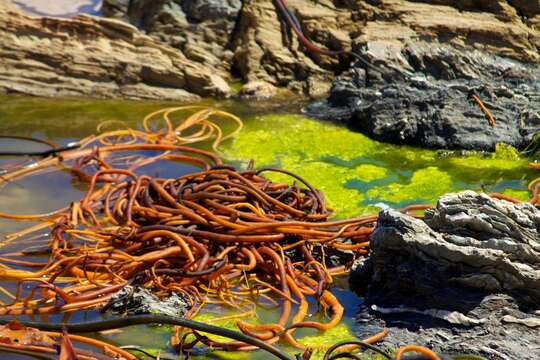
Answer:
(464, 280)
(468, 246)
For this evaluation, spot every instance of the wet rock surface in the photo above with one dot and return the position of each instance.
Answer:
(425, 99)
(133, 300)
(494, 339)
(95, 57)
(466, 278)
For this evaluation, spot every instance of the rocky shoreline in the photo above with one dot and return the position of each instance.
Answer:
(431, 56)
(248, 39)
(466, 277)
(95, 57)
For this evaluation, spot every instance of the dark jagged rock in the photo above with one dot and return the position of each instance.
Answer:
(466, 279)
(424, 99)
(468, 246)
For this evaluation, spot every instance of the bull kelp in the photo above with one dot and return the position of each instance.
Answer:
(157, 213)
(215, 236)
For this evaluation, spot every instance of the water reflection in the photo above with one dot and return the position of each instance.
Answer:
(60, 8)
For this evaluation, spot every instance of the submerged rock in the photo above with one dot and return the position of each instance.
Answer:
(95, 57)
(469, 267)
(137, 300)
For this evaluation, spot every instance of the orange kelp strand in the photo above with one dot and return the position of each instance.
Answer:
(419, 349)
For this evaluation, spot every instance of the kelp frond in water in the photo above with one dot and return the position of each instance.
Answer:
(218, 236)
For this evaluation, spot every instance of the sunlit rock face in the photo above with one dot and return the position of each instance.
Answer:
(97, 57)
(60, 8)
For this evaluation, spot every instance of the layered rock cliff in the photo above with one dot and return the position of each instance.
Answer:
(248, 38)
(95, 57)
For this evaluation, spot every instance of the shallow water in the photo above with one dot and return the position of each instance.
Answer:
(358, 175)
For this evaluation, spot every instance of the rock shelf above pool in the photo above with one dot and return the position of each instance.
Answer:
(95, 57)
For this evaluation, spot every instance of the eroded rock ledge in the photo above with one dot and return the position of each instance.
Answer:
(469, 267)
(248, 39)
(96, 57)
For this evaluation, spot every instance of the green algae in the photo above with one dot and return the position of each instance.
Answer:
(318, 341)
(523, 195)
(321, 341)
(422, 185)
(358, 174)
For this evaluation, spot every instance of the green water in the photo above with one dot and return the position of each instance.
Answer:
(357, 175)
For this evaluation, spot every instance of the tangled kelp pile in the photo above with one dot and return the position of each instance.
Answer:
(217, 236)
